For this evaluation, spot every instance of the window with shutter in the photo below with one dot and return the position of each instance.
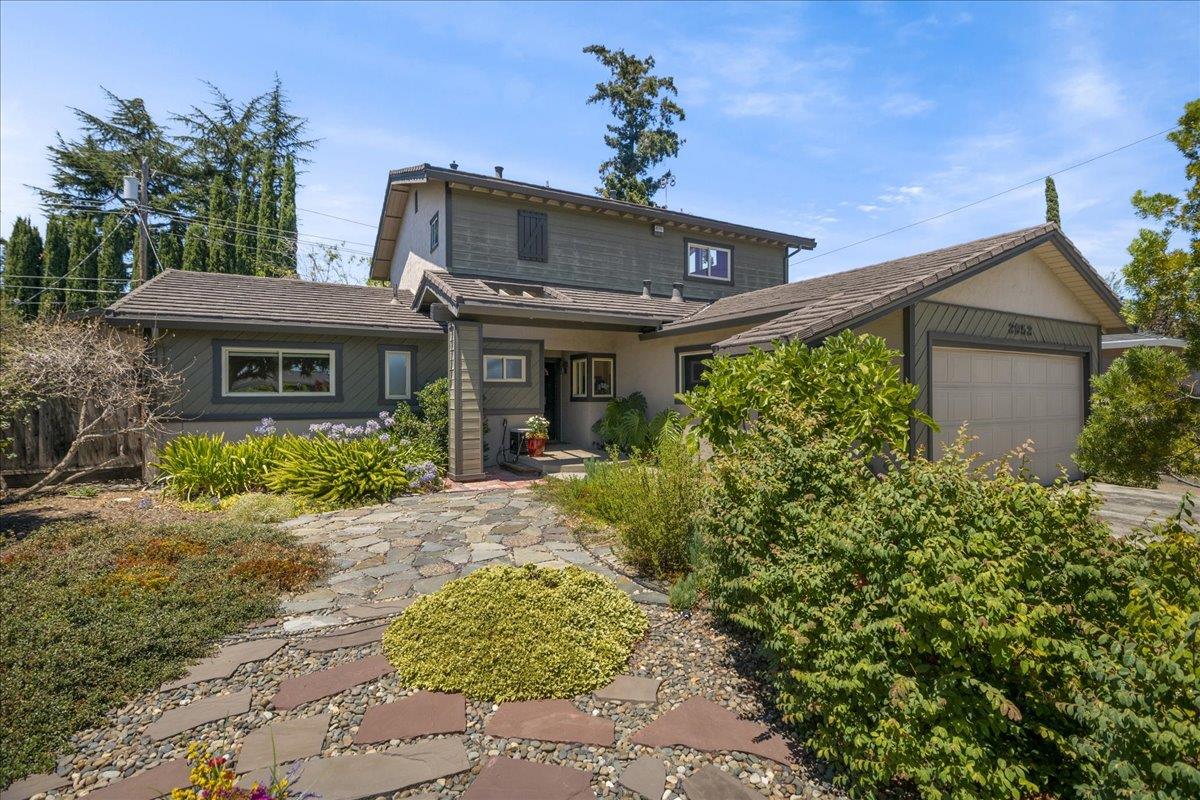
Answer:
(532, 236)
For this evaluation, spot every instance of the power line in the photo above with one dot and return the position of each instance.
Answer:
(78, 263)
(989, 197)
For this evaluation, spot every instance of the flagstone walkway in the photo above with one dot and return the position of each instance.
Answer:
(312, 692)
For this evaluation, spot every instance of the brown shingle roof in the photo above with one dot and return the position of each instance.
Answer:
(459, 290)
(175, 296)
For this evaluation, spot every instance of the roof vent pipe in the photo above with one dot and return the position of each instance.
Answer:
(453, 165)
(646, 289)
(676, 292)
(499, 171)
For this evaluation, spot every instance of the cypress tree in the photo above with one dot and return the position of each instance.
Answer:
(287, 217)
(221, 255)
(243, 241)
(1052, 214)
(56, 259)
(170, 252)
(111, 271)
(23, 265)
(268, 218)
(81, 274)
(193, 247)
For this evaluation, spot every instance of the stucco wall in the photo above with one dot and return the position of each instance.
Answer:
(1021, 285)
(412, 256)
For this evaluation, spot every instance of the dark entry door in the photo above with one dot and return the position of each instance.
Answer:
(553, 372)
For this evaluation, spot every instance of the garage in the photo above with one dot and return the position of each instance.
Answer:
(1008, 396)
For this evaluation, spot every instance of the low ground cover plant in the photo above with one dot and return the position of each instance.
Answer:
(92, 613)
(516, 633)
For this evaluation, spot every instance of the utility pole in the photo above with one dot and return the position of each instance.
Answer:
(143, 214)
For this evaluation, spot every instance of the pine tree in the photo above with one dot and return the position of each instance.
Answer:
(194, 248)
(243, 258)
(81, 274)
(111, 270)
(23, 265)
(265, 260)
(1052, 214)
(56, 258)
(170, 252)
(287, 217)
(220, 256)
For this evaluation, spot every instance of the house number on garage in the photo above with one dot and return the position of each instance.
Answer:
(1020, 329)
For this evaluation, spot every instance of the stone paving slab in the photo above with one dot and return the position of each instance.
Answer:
(387, 608)
(354, 638)
(713, 783)
(360, 775)
(550, 721)
(703, 725)
(420, 714)
(227, 659)
(646, 777)
(630, 689)
(282, 741)
(295, 692)
(513, 778)
(153, 783)
(34, 784)
(199, 712)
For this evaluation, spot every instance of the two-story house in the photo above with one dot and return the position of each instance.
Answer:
(534, 300)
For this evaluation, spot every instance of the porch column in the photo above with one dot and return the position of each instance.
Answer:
(465, 369)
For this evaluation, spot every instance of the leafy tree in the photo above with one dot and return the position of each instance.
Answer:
(244, 240)
(643, 135)
(1052, 214)
(56, 260)
(267, 220)
(82, 273)
(221, 256)
(23, 265)
(111, 269)
(194, 248)
(170, 250)
(287, 217)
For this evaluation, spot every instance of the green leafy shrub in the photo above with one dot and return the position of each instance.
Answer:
(205, 465)
(516, 633)
(940, 631)
(433, 401)
(94, 613)
(652, 501)
(624, 425)
(351, 471)
(851, 382)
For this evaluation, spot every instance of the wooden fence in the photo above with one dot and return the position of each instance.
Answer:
(45, 435)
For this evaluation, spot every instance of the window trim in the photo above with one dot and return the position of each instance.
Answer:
(384, 350)
(590, 371)
(222, 348)
(523, 358)
(583, 360)
(687, 251)
(435, 235)
(680, 354)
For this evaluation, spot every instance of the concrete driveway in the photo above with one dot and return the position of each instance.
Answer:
(1126, 508)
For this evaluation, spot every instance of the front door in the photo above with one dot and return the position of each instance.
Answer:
(551, 411)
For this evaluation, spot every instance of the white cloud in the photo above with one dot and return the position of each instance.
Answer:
(867, 208)
(906, 104)
(1089, 93)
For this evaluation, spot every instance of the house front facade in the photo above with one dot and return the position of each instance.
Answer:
(534, 300)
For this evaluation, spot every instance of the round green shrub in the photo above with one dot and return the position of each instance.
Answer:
(516, 633)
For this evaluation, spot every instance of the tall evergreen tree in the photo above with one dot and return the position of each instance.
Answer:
(56, 259)
(287, 217)
(1052, 214)
(245, 220)
(221, 255)
(267, 224)
(169, 249)
(23, 265)
(194, 247)
(112, 273)
(81, 274)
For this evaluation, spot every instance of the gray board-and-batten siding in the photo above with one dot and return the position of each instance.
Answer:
(358, 376)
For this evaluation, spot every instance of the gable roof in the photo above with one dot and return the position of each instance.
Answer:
(539, 301)
(175, 298)
(818, 306)
(400, 182)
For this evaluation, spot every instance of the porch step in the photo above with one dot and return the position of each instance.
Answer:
(558, 459)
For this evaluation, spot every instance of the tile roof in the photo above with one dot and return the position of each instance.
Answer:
(459, 290)
(176, 296)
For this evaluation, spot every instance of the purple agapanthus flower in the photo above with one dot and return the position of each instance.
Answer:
(266, 427)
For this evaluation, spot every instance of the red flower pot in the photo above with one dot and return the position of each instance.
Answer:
(536, 445)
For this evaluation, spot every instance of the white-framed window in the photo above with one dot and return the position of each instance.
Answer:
(709, 262)
(579, 377)
(262, 371)
(503, 369)
(434, 232)
(603, 376)
(397, 374)
(690, 368)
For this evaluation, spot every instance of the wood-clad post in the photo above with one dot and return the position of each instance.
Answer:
(465, 368)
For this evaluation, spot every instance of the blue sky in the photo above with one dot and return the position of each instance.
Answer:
(837, 121)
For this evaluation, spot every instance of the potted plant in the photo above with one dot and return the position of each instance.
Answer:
(539, 432)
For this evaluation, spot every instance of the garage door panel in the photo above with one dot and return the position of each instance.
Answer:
(1008, 398)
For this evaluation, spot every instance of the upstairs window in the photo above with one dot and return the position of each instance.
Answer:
(532, 236)
(433, 233)
(709, 262)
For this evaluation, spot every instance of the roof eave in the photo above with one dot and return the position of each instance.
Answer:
(183, 322)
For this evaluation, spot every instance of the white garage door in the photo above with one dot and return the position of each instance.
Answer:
(1008, 397)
